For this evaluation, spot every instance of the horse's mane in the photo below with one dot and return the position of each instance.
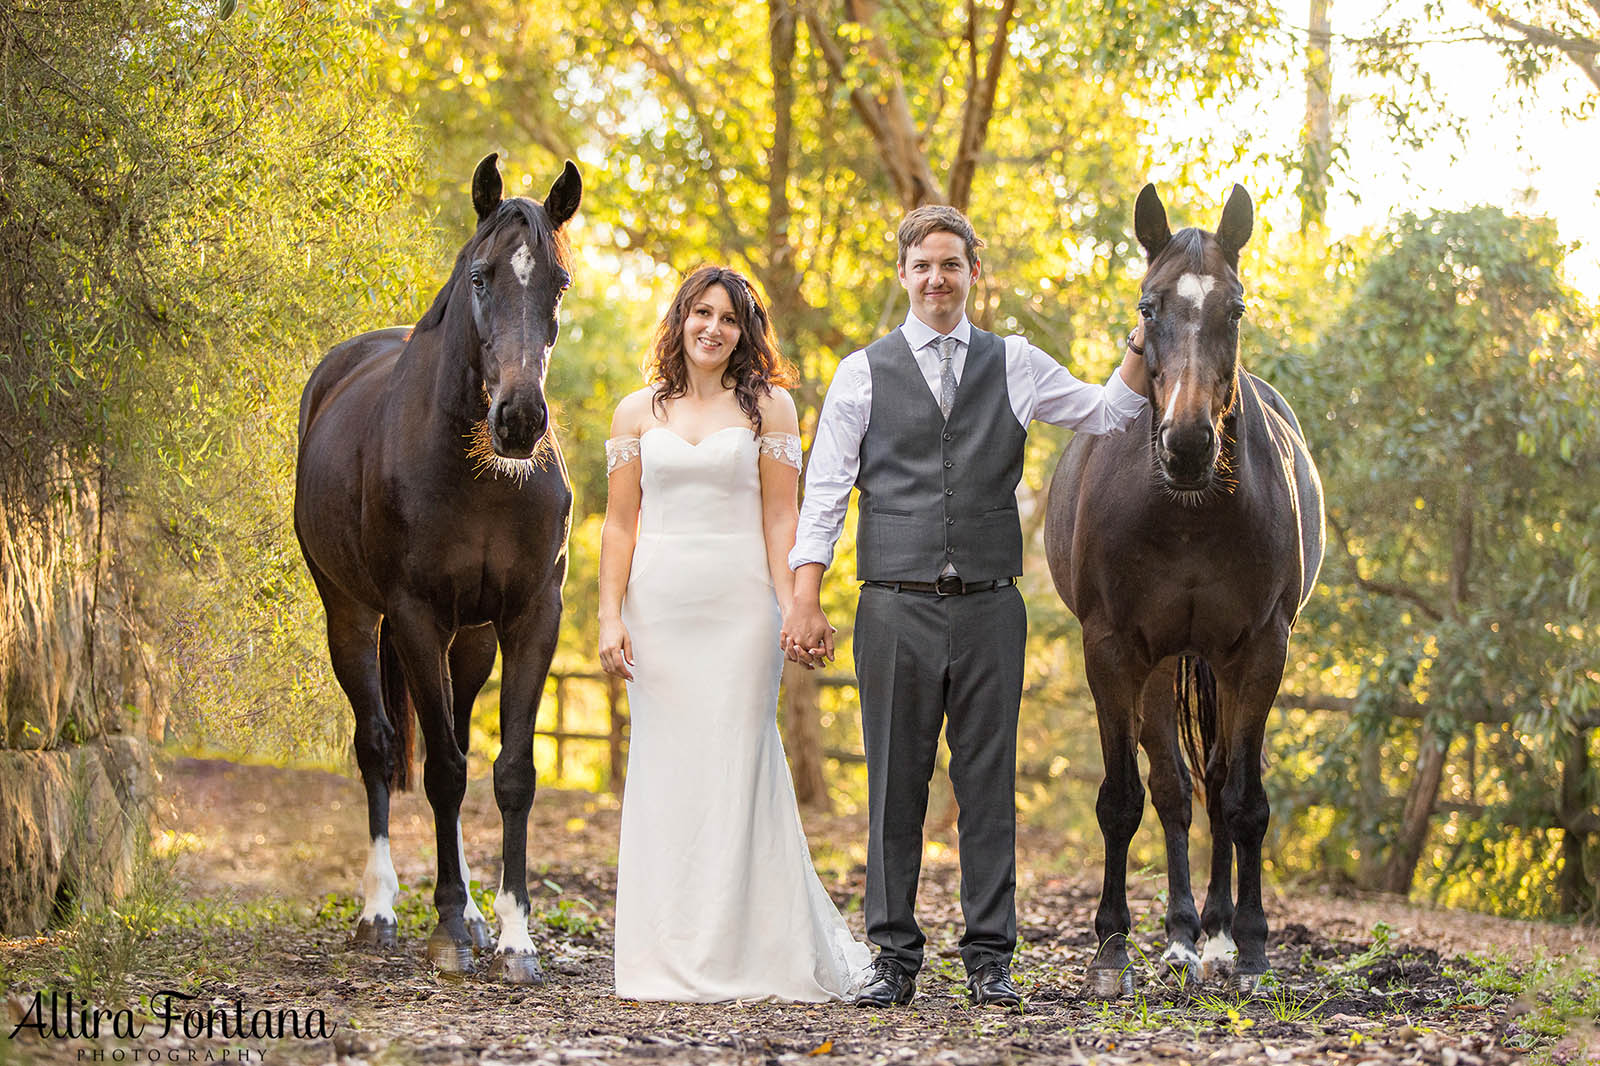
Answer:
(516, 209)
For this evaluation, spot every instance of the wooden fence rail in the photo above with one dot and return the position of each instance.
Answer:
(616, 737)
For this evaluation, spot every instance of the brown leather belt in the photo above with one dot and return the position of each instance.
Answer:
(945, 586)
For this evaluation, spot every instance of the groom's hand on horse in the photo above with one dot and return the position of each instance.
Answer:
(616, 649)
(1135, 371)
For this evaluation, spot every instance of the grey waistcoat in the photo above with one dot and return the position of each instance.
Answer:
(934, 490)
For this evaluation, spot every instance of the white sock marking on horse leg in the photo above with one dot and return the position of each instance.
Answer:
(1220, 951)
(513, 924)
(1195, 287)
(522, 264)
(1179, 955)
(471, 912)
(379, 885)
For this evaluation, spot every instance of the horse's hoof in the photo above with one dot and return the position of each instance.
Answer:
(1248, 984)
(1184, 974)
(448, 955)
(482, 939)
(1218, 958)
(1108, 983)
(377, 934)
(516, 968)
(1183, 964)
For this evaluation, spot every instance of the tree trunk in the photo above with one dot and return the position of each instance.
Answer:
(1316, 148)
(1579, 812)
(802, 722)
(1420, 800)
(1373, 805)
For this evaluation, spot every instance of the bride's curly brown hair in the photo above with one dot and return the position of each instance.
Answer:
(755, 365)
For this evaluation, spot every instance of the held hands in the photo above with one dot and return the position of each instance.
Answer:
(616, 649)
(807, 638)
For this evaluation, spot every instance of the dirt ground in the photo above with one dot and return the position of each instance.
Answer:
(270, 858)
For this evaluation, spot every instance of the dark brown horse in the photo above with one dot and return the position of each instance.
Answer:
(432, 507)
(1186, 547)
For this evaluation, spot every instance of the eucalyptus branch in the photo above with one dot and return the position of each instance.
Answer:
(1382, 588)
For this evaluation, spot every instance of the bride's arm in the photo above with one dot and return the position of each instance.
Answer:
(780, 485)
(619, 534)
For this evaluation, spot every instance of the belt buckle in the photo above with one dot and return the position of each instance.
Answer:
(949, 585)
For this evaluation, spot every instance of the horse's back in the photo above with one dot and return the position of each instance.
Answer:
(1302, 470)
(341, 403)
(363, 360)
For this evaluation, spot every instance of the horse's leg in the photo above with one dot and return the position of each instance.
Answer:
(1171, 792)
(471, 662)
(1119, 808)
(424, 657)
(1216, 917)
(1244, 799)
(527, 648)
(353, 650)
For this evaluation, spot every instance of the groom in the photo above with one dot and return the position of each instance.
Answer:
(929, 423)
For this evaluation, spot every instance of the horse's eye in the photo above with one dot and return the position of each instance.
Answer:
(1147, 311)
(1236, 312)
(477, 280)
(564, 281)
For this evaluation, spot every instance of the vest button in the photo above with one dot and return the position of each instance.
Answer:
(949, 492)
(948, 437)
(949, 521)
(949, 551)
(948, 464)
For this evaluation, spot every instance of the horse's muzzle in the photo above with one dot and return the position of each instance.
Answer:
(515, 429)
(1187, 454)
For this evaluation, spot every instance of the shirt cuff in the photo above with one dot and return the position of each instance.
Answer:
(812, 551)
(1122, 399)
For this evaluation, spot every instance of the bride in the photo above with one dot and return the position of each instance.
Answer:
(716, 895)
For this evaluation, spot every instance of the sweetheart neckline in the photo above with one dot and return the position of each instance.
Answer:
(693, 444)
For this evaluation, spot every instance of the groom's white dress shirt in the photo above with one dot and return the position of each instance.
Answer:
(1039, 389)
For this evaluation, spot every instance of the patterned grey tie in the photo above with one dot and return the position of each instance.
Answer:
(947, 375)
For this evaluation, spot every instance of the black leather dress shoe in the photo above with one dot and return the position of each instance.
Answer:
(890, 986)
(990, 986)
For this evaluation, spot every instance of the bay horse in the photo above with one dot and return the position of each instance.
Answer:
(1186, 547)
(433, 507)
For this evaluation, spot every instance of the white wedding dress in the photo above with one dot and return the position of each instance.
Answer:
(716, 895)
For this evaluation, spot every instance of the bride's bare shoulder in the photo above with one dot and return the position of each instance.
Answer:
(633, 414)
(778, 413)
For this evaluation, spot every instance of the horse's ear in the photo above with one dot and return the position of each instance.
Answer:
(1150, 223)
(565, 195)
(1238, 221)
(486, 186)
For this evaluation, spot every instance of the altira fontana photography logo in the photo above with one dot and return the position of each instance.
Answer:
(57, 1016)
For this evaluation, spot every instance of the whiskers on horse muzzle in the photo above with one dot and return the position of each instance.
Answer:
(1192, 467)
(486, 459)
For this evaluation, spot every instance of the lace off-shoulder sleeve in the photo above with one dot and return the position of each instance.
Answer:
(784, 447)
(620, 450)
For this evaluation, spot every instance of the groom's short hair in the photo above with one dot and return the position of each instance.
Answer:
(937, 218)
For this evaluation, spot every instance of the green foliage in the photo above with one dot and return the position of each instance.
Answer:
(200, 208)
(1451, 413)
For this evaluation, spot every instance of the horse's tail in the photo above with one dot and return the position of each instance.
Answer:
(397, 707)
(1197, 715)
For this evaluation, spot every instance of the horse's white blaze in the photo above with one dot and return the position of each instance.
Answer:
(522, 264)
(1195, 287)
(1219, 951)
(471, 912)
(513, 924)
(379, 885)
(1180, 954)
(1172, 401)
